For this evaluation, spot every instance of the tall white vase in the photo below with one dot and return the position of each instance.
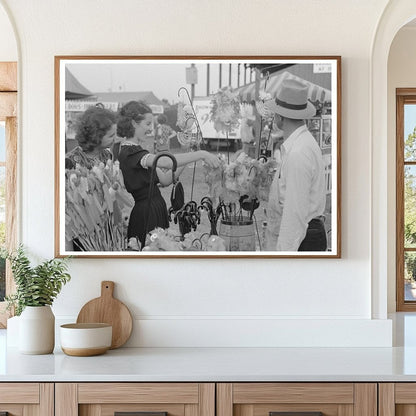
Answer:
(12, 334)
(37, 330)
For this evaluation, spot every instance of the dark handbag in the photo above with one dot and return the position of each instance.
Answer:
(177, 196)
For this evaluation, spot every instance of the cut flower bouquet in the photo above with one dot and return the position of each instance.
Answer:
(97, 207)
(242, 177)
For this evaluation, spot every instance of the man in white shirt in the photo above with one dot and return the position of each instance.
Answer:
(297, 195)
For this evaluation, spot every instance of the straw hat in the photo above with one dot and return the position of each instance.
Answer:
(292, 101)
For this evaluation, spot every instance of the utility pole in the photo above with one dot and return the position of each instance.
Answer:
(192, 78)
(220, 77)
(207, 80)
(193, 85)
(258, 122)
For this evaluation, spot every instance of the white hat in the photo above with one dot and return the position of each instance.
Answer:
(292, 101)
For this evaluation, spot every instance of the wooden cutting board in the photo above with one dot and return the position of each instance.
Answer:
(108, 310)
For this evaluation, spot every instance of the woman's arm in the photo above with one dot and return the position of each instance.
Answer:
(179, 170)
(184, 158)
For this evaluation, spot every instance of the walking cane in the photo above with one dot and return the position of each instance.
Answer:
(151, 188)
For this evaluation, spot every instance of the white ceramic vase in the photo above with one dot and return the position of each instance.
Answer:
(37, 330)
(12, 334)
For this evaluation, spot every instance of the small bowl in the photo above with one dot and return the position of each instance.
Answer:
(84, 340)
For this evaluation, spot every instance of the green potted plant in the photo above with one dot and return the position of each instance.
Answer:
(36, 289)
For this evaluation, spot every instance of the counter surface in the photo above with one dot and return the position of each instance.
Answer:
(214, 364)
(222, 364)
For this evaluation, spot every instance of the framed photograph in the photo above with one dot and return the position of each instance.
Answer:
(194, 156)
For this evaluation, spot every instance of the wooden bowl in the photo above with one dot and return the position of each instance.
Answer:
(84, 340)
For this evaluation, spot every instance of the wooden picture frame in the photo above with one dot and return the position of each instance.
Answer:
(220, 106)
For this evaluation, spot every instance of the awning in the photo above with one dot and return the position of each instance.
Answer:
(123, 97)
(316, 92)
(74, 90)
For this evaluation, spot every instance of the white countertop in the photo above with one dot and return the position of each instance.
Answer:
(215, 364)
(222, 364)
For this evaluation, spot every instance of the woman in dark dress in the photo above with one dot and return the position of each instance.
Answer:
(135, 124)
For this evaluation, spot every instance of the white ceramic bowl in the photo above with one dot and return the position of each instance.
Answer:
(83, 340)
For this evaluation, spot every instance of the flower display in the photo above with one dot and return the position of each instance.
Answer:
(166, 240)
(261, 106)
(243, 176)
(247, 121)
(225, 112)
(190, 136)
(97, 207)
(185, 117)
(160, 239)
(215, 243)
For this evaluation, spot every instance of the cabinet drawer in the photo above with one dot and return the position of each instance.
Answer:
(270, 399)
(397, 399)
(107, 399)
(19, 393)
(21, 399)
(138, 393)
(251, 393)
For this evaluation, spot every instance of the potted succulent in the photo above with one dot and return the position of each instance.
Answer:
(36, 289)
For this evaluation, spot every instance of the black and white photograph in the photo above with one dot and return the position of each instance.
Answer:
(197, 156)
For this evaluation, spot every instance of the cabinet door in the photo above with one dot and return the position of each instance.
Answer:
(26, 399)
(297, 399)
(143, 399)
(397, 399)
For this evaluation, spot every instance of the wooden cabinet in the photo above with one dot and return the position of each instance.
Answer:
(105, 399)
(27, 399)
(397, 399)
(222, 399)
(208, 399)
(332, 399)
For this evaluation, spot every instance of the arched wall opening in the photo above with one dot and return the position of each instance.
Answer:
(401, 74)
(396, 15)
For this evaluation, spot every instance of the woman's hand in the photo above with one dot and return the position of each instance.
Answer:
(211, 160)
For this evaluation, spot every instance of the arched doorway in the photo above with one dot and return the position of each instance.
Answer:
(396, 15)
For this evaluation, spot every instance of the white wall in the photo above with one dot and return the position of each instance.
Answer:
(8, 46)
(401, 74)
(203, 302)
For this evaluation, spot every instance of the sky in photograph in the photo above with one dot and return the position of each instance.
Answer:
(163, 79)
